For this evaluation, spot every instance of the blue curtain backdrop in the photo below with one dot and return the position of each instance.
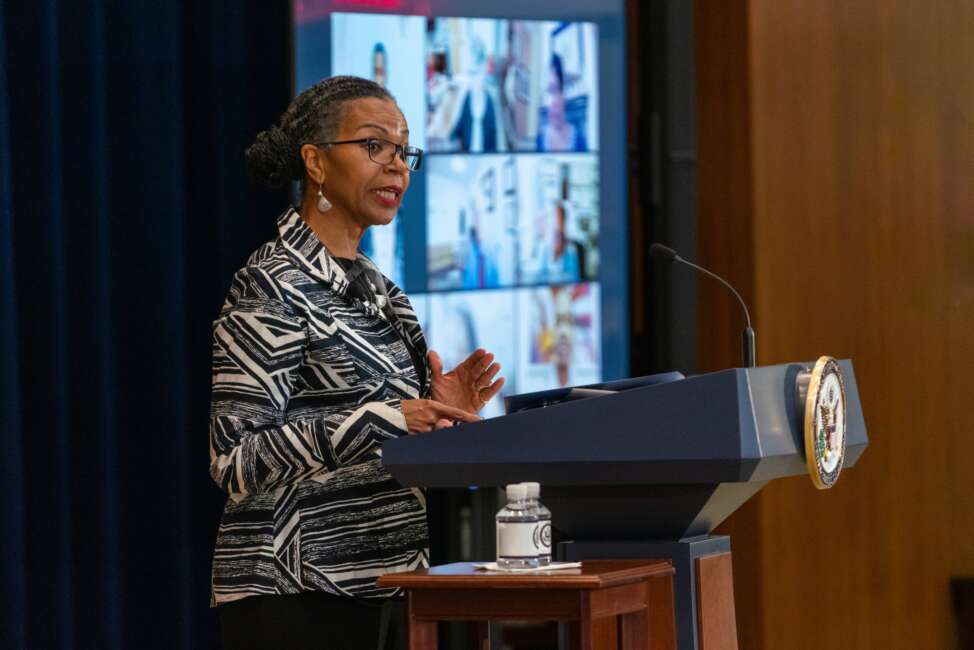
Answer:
(124, 210)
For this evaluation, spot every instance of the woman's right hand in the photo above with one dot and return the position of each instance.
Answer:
(427, 414)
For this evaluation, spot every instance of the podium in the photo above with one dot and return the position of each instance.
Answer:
(646, 472)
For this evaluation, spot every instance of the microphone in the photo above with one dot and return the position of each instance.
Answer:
(667, 254)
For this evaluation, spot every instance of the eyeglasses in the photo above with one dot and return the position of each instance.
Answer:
(384, 152)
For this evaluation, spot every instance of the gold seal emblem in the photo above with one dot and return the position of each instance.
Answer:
(825, 423)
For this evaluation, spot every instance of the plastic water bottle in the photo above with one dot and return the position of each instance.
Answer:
(516, 523)
(542, 532)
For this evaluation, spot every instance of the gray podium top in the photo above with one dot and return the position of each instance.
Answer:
(664, 461)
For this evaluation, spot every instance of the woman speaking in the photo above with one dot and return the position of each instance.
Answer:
(317, 359)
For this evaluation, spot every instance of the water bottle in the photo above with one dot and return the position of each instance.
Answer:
(543, 530)
(516, 523)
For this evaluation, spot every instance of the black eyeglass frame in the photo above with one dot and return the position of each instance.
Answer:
(403, 151)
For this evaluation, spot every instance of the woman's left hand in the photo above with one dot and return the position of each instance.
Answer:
(468, 386)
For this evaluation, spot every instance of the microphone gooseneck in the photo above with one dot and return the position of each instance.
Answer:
(667, 254)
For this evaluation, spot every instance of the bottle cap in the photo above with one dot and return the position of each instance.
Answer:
(534, 490)
(516, 492)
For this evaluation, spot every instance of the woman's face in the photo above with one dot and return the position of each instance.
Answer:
(367, 192)
(555, 96)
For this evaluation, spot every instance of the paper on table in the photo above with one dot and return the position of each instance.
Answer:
(554, 566)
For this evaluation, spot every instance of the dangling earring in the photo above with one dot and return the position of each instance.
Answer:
(324, 205)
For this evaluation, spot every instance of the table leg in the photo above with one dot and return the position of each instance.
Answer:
(422, 633)
(581, 636)
(598, 634)
(661, 614)
(586, 624)
(483, 635)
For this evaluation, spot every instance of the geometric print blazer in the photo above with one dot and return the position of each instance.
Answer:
(307, 383)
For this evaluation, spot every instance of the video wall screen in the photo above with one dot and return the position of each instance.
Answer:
(499, 240)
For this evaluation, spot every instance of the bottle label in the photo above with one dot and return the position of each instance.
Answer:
(515, 539)
(542, 537)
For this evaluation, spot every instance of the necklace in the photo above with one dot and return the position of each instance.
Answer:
(362, 289)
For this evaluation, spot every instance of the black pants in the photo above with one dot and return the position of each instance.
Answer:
(311, 621)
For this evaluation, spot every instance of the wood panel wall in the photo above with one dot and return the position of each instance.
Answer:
(836, 182)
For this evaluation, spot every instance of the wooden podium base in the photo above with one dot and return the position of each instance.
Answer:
(703, 585)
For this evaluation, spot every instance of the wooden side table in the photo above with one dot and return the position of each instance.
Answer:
(638, 592)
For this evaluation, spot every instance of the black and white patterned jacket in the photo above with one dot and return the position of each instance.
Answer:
(307, 383)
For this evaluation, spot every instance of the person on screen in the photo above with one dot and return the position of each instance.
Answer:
(317, 360)
(555, 346)
(479, 264)
(379, 64)
(476, 126)
(561, 261)
(564, 334)
(380, 69)
(557, 133)
(552, 341)
(514, 77)
(366, 245)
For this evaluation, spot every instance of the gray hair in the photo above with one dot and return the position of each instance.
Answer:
(315, 115)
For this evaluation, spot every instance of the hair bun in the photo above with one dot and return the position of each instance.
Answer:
(273, 160)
